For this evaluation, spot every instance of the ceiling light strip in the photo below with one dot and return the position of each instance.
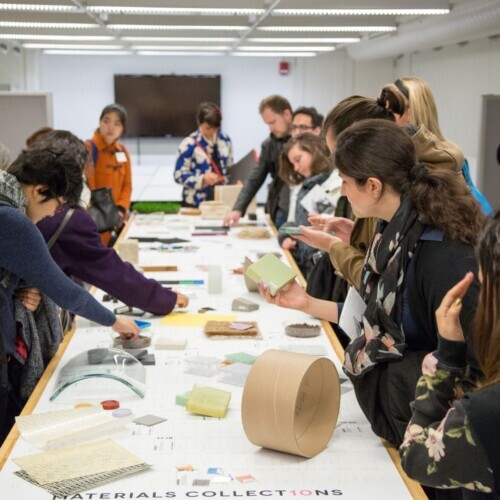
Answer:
(175, 10)
(180, 47)
(287, 49)
(174, 53)
(360, 12)
(70, 46)
(172, 27)
(88, 52)
(201, 39)
(66, 38)
(327, 29)
(274, 54)
(19, 24)
(38, 7)
(305, 40)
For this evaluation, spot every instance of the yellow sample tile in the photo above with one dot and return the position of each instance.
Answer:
(193, 320)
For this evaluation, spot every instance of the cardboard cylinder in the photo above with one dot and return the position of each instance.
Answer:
(291, 402)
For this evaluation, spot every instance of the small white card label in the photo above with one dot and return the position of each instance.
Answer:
(121, 157)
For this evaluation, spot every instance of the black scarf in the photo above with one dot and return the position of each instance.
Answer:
(385, 266)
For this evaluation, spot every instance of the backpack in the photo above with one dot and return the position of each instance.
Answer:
(95, 151)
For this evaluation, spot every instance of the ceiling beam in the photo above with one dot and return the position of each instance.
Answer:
(254, 26)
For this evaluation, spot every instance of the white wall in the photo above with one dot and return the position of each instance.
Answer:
(83, 85)
(458, 76)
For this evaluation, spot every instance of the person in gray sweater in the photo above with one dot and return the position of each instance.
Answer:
(33, 188)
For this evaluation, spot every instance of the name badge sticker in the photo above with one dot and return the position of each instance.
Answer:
(121, 157)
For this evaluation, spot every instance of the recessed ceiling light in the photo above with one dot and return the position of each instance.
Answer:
(148, 27)
(358, 12)
(327, 29)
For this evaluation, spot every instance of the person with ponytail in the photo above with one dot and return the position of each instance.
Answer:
(423, 243)
(451, 442)
(204, 157)
(411, 100)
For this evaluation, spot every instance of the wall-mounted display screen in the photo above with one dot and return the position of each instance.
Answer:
(164, 105)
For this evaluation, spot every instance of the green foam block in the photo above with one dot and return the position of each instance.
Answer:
(271, 271)
(208, 401)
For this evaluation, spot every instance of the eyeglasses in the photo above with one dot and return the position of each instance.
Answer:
(302, 128)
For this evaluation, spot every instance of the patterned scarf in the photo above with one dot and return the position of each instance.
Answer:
(11, 189)
(384, 271)
(11, 193)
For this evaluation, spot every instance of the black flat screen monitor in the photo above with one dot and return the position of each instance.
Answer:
(164, 105)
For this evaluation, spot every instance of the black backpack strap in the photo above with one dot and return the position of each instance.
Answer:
(61, 227)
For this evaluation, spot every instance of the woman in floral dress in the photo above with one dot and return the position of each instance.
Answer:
(204, 157)
(450, 442)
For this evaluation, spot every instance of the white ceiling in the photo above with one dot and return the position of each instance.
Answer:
(236, 27)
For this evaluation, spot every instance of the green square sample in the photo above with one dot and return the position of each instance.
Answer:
(271, 271)
(241, 357)
(182, 399)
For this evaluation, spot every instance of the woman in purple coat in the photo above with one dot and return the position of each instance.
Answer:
(79, 251)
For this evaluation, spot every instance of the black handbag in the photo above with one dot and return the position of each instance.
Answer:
(103, 210)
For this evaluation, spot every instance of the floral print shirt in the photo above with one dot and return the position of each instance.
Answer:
(440, 447)
(194, 160)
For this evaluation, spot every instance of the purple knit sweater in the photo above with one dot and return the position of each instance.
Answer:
(80, 253)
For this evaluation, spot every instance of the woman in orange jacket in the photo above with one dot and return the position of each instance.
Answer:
(112, 167)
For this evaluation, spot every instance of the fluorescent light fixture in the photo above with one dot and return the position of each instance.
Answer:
(19, 24)
(178, 39)
(304, 40)
(327, 29)
(88, 52)
(66, 38)
(169, 27)
(295, 49)
(173, 53)
(274, 54)
(180, 47)
(172, 11)
(359, 12)
(70, 46)
(39, 8)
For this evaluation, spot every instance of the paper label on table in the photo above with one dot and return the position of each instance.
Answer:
(351, 318)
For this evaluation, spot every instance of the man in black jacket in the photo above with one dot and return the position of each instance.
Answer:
(277, 115)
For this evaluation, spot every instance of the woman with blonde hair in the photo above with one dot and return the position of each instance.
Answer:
(411, 101)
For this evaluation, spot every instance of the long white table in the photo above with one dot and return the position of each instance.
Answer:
(355, 464)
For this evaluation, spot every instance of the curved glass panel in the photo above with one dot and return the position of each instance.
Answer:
(116, 370)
